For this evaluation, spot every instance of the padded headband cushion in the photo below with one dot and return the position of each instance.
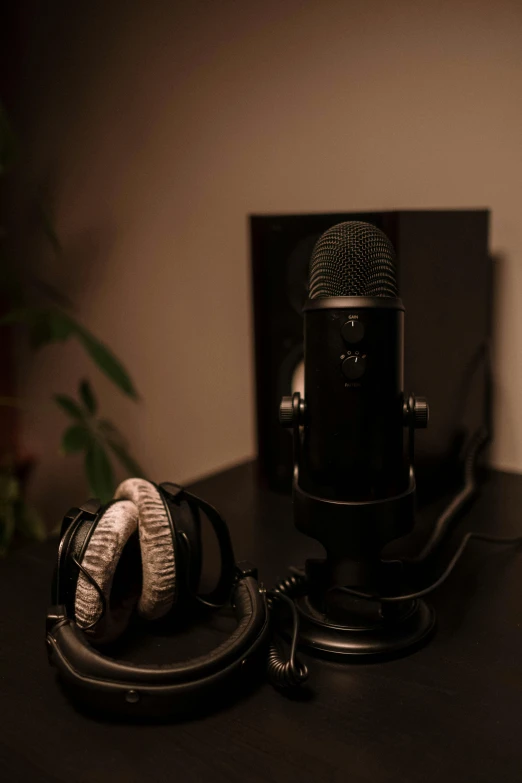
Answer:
(157, 547)
(102, 554)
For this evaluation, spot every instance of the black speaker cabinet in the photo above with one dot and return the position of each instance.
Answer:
(445, 282)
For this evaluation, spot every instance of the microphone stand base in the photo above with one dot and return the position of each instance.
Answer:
(400, 629)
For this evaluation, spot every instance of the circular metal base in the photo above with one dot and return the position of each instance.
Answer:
(399, 629)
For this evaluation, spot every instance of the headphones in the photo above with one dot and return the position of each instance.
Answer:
(142, 553)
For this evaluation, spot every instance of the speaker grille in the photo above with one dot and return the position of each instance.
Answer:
(353, 259)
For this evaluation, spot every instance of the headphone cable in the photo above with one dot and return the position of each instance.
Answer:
(438, 582)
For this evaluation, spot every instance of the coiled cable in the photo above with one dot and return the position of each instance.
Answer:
(285, 672)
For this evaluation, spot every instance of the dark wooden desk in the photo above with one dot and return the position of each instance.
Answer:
(450, 712)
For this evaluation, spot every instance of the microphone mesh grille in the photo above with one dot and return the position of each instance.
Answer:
(353, 259)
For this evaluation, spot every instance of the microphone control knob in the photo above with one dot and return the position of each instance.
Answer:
(352, 332)
(354, 367)
(286, 412)
(421, 413)
(292, 411)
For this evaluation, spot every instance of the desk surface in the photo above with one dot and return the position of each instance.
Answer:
(450, 712)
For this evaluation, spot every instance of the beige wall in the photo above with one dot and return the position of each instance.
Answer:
(159, 126)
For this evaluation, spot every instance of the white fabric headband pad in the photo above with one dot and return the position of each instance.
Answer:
(157, 545)
(102, 554)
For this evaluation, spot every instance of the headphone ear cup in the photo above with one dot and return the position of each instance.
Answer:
(103, 619)
(188, 526)
(158, 547)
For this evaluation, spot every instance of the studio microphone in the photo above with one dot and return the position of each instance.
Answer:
(354, 482)
(352, 435)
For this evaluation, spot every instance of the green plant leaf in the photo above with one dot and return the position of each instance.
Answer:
(76, 438)
(107, 362)
(87, 397)
(46, 325)
(120, 449)
(49, 325)
(63, 325)
(99, 472)
(70, 406)
(109, 429)
(127, 460)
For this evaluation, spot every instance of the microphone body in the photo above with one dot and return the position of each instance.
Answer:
(354, 366)
(352, 440)
(354, 487)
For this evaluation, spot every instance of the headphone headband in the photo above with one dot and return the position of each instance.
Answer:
(138, 689)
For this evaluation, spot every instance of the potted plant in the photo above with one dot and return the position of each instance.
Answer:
(46, 317)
